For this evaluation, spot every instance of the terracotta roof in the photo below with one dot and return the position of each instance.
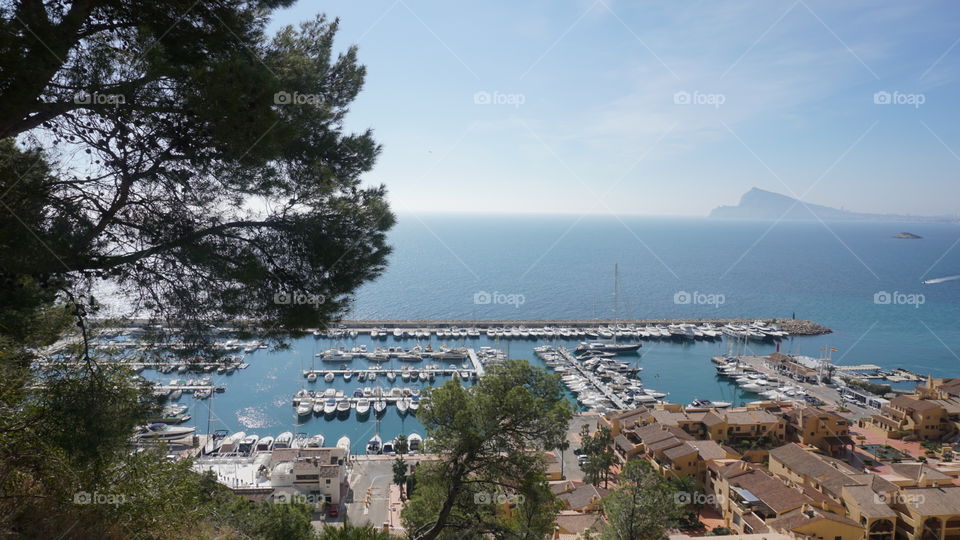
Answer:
(712, 419)
(679, 451)
(581, 497)
(912, 403)
(870, 504)
(938, 501)
(709, 450)
(771, 491)
(795, 519)
(914, 470)
(628, 414)
(831, 474)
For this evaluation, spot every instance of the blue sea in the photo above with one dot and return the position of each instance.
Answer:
(854, 278)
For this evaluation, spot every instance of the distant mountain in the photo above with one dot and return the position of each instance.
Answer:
(767, 205)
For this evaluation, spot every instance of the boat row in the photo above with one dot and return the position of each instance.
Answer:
(600, 383)
(250, 444)
(670, 331)
(428, 374)
(333, 403)
(410, 444)
(385, 354)
(756, 331)
(753, 381)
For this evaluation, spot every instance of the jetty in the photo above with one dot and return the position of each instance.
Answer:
(599, 385)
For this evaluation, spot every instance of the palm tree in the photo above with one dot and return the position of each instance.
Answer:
(562, 446)
(400, 474)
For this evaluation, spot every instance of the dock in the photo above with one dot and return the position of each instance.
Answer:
(602, 388)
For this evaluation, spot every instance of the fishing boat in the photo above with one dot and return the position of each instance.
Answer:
(363, 407)
(414, 443)
(402, 405)
(374, 445)
(344, 443)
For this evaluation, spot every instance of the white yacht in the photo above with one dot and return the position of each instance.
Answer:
(344, 443)
(363, 407)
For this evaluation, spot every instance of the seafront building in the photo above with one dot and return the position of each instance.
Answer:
(788, 469)
(932, 414)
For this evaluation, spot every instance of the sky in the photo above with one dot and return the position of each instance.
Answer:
(656, 107)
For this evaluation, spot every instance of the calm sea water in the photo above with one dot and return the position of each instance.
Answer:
(562, 267)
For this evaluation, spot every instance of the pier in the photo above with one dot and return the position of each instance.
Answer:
(602, 388)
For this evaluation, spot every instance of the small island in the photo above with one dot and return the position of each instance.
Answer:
(907, 235)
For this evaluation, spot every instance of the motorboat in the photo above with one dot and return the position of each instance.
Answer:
(389, 447)
(374, 445)
(328, 377)
(318, 407)
(414, 403)
(344, 443)
(391, 376)
(248, 444)
(414, 443)
(363, 407)
(402, 405)
(315, 441)
(330, 406)
(343, 407)
(312, 377)
(347, 375)
(708, 404)
(283, 440)
(305, 407)
(379, 406)
(163, 431)
(265, 444)
(608, 346)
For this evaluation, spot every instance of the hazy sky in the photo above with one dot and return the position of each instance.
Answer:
(657, 107)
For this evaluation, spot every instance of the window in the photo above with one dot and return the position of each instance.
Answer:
(328, 481)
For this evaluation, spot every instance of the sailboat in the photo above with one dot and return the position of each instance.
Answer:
(610, 346)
